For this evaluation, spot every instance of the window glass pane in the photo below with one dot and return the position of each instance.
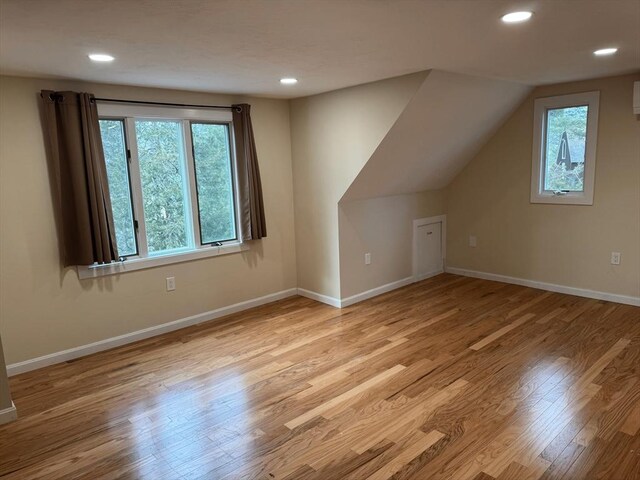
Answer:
(214, 182)
(115, 155)
(164, 184)
(565, 148)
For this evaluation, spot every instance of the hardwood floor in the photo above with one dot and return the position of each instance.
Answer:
(449, 378)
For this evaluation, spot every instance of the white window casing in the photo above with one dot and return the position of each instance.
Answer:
(541, 107)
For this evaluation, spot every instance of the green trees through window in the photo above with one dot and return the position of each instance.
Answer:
(164, 184)
(115, 155)
(564, 160)
(214, 181)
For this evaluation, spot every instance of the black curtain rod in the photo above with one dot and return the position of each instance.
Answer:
(166, 104)
(55, 96)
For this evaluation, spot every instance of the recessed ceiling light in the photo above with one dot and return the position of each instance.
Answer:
(101, 57)
(516, 17)
(605, 51)
(288, 81)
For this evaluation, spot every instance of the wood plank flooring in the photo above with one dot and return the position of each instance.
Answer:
(449, 378)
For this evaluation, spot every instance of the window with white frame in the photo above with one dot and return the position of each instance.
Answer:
(171, 176)
(564, 149)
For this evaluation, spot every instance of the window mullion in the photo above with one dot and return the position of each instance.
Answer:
(136, 187)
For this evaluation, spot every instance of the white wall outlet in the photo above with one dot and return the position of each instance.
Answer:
(171, 284)
(367, 259)
(473, 241)
(615, 258)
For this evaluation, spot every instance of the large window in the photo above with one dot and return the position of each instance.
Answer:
(564, 149)
(171, 179)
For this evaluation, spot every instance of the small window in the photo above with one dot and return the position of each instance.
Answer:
(564, 149)
(171, 179)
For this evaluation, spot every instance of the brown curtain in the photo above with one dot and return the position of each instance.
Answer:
(252, 222)
(80, 178)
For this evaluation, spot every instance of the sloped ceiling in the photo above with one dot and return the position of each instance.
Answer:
(442, 128)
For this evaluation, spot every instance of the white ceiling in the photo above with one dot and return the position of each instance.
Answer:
(443, 127)
(246, 46)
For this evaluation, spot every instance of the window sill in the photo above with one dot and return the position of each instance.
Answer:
(567, 199)
(94, 271)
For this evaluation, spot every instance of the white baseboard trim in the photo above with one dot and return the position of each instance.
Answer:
(552, 287)
(374, 292)
(8, 414)
(359, 297)
(76, 352)
(318, 297)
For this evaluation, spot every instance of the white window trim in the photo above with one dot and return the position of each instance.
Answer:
(168, 113)
(145, 260)
(541, 105)
(137, 263)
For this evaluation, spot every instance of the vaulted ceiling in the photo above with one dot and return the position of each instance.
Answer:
(246, 46)
(443, 127)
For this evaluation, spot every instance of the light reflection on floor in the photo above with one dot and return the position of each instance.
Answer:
(556, 401)
(191, 429)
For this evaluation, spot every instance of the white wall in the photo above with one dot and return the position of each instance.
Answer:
(383, 227)
(46, 309)
(568, 245)
(333, 135)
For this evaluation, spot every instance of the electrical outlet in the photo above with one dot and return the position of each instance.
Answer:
(367, 259)
(615, 258)
(473, 241)
(171, 284)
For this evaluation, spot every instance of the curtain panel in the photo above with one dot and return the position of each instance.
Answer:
(252, 221)
(86, 228)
